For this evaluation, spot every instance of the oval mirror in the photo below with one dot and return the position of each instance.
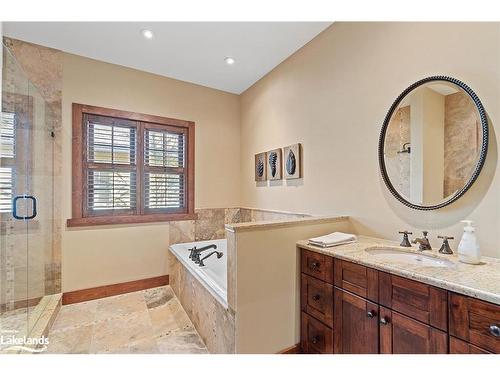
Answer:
(433, 143)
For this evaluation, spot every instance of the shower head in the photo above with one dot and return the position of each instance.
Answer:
(406, 148)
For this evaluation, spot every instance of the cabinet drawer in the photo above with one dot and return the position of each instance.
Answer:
(315, 337)
(317, 265)
(356, 279)
(475, 321)
(458, 346)
(317, 299)
(414, 299)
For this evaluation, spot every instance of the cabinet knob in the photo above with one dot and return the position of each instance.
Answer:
(371, 314)
(316, 297)
(384, 321)
(315, 339)
(314, 265)
(494, 330)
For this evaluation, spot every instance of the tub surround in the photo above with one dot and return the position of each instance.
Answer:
(214, 274)
(215, 319)
(478, 281)
(238, 325)
(214, 323)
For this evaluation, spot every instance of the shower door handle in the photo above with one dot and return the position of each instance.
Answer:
(14, 207)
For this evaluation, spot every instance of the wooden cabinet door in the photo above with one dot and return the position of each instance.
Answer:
(355, 324)
(458, 346)
(475, 321)
(400, 334)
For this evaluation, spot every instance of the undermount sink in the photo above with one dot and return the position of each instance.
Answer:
(424, 260)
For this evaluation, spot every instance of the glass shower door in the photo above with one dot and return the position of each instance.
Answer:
(40, 192)
(14, 172)
(26, 201)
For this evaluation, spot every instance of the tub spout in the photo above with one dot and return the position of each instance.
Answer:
(194, 253)
(219, 255)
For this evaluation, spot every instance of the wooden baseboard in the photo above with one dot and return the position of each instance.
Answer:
(113, 290)
(295, 349)
(21, 304)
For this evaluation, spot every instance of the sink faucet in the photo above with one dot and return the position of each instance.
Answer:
(194, 254)
(445, 247)
(219, 255)
(423, 242)
(405, 242)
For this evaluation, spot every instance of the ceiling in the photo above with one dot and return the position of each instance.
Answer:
(188, 51)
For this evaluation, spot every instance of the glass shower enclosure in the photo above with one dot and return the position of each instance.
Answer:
(26, 201)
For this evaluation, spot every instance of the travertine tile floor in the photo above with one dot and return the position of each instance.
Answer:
(149, 321)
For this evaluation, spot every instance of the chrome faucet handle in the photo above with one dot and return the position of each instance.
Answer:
(405, 242)
(425, 233)
(445, 247)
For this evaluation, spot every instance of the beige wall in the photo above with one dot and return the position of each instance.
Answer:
(112, 254)
(332, 96)
(268, 300)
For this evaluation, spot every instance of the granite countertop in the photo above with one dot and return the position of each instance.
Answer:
(480, 281)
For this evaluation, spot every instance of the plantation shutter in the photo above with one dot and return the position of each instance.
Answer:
(164, 169)
(7, 159)
(130, 167)
(111, 183)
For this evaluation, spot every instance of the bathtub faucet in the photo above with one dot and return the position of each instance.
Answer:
(194, 254)
(219, 255)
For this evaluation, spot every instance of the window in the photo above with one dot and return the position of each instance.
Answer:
(130, 167)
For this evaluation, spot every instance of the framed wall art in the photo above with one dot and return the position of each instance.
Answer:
(274, 164)
(292, 161)
(260, 167)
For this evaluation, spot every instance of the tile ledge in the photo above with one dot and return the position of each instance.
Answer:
(255, 225)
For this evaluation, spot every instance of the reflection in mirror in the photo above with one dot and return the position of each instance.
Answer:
(433, 143)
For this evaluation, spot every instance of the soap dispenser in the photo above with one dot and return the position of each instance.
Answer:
(468, 249)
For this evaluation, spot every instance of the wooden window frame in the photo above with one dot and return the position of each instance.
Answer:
(80, 216)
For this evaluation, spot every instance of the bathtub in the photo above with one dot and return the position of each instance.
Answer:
(213, 276)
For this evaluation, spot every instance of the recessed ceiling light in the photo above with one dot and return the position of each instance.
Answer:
(229, 60)
(148, 34)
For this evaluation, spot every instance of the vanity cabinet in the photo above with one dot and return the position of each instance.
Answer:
(349, 308)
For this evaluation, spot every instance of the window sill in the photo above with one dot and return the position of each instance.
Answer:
(127, 219)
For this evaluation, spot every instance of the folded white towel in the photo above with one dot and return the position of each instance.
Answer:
(333, 239)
